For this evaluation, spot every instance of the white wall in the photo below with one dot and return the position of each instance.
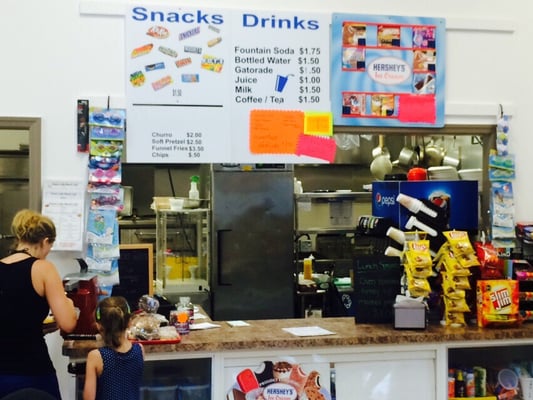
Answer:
(52, 55)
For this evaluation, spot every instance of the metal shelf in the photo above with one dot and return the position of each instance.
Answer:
(338, 230)
(334, 196)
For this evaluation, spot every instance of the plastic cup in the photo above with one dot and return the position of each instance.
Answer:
(526, 384)
(396, 235)
(393, 252)
(175, 204)
(508, 379)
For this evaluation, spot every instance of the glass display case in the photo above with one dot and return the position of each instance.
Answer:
(179, 378)
(182, 253)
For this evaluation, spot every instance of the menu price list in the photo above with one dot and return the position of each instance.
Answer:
(239, 61)
(190, 146)
(265, 75)
(309, 77)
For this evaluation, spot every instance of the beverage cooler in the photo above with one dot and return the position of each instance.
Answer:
(182, 254)
(252, 241)
(181, 379)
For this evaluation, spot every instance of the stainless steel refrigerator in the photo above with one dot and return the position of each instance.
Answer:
(252, 241)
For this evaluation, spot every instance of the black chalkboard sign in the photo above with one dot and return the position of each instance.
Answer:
(135, 269)
(376, 284)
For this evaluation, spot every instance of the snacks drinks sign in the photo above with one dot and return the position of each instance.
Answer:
(215, 85)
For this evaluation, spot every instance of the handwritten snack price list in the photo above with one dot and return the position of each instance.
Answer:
(310, 68)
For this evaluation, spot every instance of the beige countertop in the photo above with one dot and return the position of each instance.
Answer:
(268, 334)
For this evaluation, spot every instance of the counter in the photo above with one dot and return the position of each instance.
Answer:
(357, 357)
(268, 334)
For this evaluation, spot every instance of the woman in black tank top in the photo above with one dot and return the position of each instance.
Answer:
(33, 288)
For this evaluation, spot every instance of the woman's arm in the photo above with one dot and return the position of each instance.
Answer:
(48, 283)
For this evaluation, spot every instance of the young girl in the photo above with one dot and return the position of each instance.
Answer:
(114, 371)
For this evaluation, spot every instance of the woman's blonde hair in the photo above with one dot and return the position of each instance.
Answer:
(32, 227)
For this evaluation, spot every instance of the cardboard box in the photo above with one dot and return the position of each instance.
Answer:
(458, 199)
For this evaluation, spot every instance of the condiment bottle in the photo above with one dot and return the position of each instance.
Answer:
(460, 384)
(194, 194)
(308, 267)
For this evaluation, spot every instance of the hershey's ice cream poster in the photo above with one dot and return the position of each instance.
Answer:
(387, 70)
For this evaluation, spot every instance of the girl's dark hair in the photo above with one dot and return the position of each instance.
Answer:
(113, 314)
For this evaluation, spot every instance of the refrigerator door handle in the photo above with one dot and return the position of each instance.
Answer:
(220, 268)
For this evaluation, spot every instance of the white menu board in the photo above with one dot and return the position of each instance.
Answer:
(215, 85)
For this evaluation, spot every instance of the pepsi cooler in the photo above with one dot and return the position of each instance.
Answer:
(458, 201)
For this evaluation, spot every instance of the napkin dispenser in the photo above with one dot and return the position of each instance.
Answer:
(410, 314)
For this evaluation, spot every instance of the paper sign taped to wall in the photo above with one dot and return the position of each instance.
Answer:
(275, 131)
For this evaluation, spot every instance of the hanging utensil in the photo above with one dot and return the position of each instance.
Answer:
(452, 158)
(381, 165)
(419, 149)
(407, 156)
(381, 149)
(414, 146)
(433, 154)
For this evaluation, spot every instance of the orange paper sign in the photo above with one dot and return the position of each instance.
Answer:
(275, 131)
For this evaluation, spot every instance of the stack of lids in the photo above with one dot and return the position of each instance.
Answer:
(442, 173)
(474, 174)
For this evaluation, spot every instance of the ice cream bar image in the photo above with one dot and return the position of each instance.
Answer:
(247, 380)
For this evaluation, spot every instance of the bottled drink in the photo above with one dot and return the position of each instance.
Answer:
(187, 305)
(460, 384)
(308, 267)
(451, 383)
(470, 384)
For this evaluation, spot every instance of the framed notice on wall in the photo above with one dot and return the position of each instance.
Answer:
(387, 70)
(136, 269)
